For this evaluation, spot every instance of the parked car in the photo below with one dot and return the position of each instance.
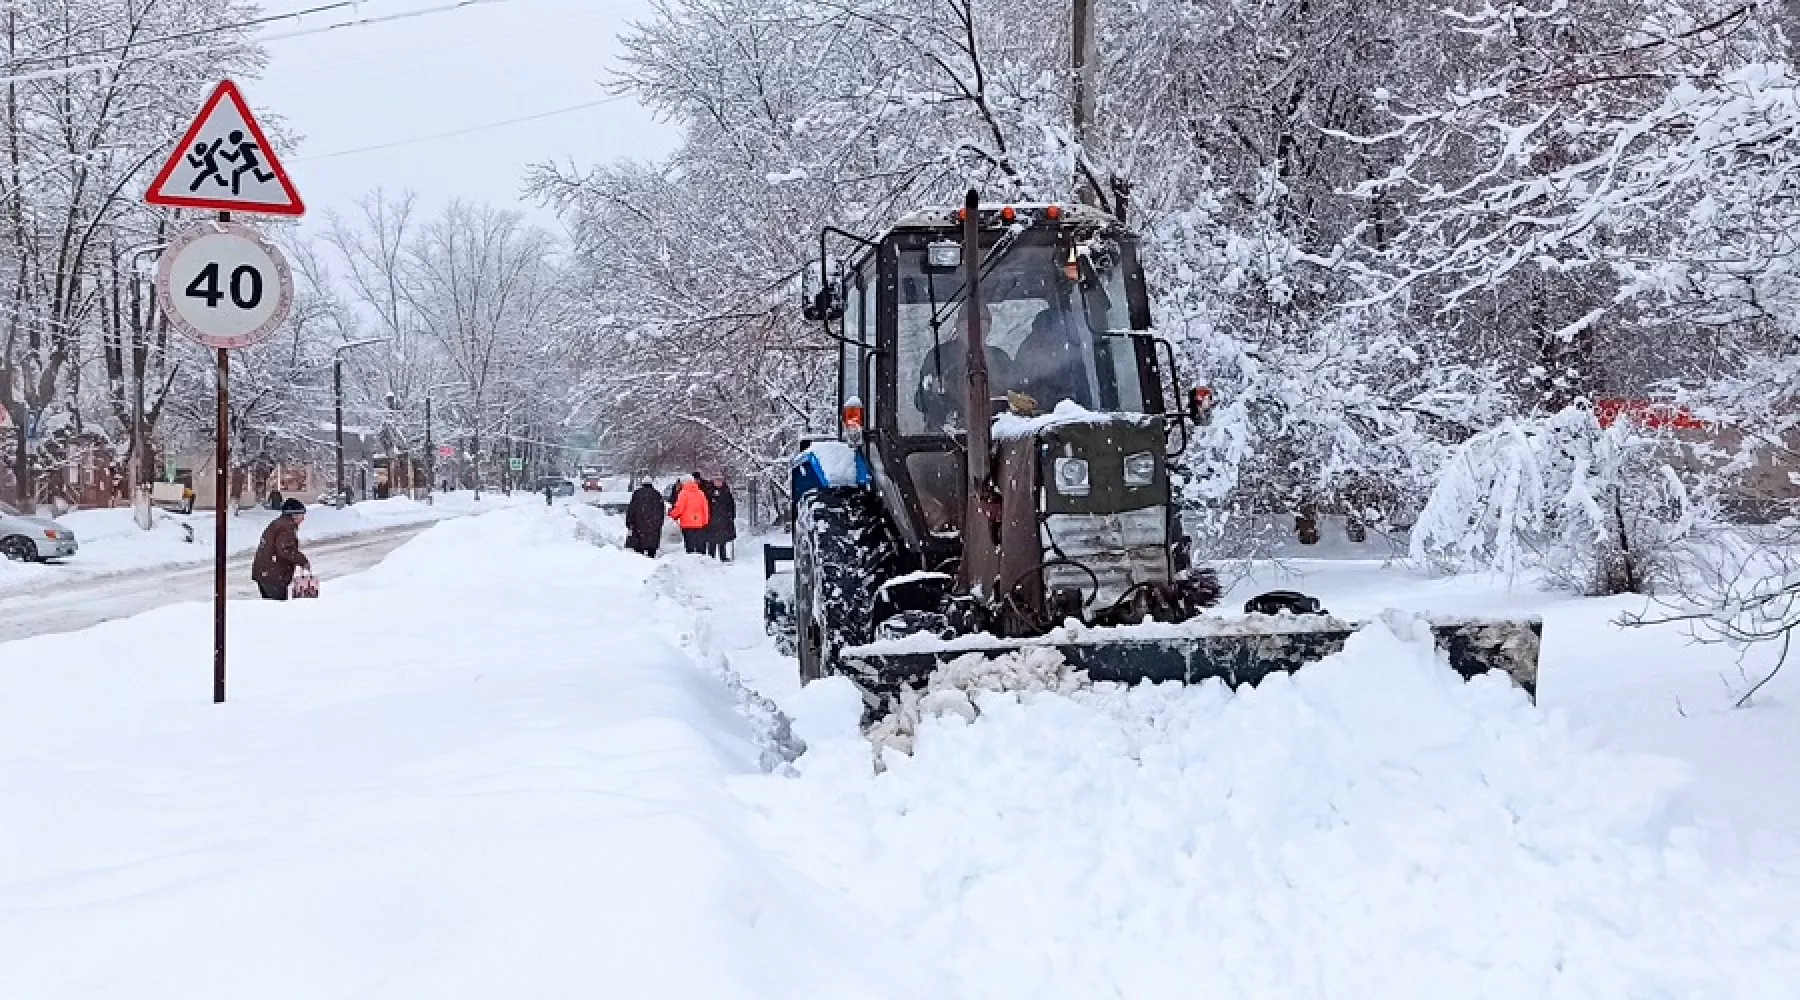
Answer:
(178, 497)
(557, 485)
(33, 539)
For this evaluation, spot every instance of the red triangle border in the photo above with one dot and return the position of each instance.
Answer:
(226, 88)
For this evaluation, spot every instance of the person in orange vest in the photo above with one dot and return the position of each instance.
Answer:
(693, 513)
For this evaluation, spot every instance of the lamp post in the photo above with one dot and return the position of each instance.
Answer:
(138, 444)
(430, 450)
(430, 454)
(337, 389)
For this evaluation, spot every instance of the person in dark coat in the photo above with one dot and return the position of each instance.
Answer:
(643, 520)
(723, 527)
(710, 544)
(279, 555)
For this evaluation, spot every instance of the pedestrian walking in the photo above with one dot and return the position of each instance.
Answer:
(644, 519)
(693, 513)
(723, 528)
(278, 555)
(710, 544)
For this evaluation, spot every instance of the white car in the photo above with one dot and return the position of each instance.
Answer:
(33, 539)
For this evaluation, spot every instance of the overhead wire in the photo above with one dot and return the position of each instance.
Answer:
(433, 137)
(172, 54)
(195, 33)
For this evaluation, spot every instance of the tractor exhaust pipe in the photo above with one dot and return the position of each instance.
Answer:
(980, 559)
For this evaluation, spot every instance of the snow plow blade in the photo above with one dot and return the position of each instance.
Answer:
(1237, 651)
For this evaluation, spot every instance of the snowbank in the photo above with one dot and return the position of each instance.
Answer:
(1370, 827)
(480, 770)
(112, 543)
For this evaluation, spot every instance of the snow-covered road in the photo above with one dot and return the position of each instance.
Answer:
(512, 760)
(87, 602)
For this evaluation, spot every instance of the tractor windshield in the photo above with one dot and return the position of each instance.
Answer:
(1047, 336)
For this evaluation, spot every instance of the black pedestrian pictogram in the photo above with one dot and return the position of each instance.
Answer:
(243, 153)
(206, 157)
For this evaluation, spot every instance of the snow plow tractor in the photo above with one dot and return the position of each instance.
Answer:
(1000, 478)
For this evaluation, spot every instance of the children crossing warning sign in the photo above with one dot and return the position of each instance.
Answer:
(225, 164)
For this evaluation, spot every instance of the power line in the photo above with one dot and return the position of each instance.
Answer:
(461, 131)
(172, 54)
(196, 33)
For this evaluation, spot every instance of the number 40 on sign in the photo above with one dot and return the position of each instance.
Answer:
(224, 285)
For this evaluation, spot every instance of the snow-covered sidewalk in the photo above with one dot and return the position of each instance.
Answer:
(516, 761)
(483, 769)
(112, 543)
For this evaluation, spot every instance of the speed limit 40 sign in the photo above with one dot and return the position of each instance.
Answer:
(223, 285)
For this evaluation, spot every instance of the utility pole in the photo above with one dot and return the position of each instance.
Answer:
(1081, 65)
(430, 454)
(337, 388)
(221, 527)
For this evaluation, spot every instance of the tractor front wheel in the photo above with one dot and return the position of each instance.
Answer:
(841, 555)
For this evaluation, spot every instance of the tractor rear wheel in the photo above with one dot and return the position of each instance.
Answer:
(842, 555)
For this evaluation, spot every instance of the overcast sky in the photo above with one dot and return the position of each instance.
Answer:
(350, 89)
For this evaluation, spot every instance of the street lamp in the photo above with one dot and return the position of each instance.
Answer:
(430, 452)
(138, 444)
(337, 388)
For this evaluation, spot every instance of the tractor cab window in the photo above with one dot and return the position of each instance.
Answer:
(1047, 338)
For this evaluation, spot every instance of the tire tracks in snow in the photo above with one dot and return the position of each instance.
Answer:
(709, 630)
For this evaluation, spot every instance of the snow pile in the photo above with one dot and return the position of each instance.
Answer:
(1369, 827)
(956, 689)
(596, 525)
(680, 582)
(1011, 426)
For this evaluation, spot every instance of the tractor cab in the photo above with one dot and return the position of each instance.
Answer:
(1065, 319)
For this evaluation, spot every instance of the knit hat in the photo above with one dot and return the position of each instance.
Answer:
(292, 506)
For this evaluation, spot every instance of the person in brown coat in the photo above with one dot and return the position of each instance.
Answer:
(279, 555)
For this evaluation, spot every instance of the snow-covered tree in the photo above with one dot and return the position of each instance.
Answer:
(94, 94)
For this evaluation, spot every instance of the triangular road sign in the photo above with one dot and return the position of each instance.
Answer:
(225, 164)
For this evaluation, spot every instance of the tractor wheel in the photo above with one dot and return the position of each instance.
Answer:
(842, 554)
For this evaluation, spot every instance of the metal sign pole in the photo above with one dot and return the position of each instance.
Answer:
(223, 284)
(221, 538)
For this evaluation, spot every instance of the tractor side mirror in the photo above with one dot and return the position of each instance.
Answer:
(822, 291)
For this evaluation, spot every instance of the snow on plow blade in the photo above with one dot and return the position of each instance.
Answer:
(1235, 650)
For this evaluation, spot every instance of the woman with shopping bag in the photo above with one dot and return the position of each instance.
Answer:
(278, 556)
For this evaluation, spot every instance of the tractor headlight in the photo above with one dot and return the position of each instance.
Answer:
(1140, 469)
(943, 256)
(1072, 477)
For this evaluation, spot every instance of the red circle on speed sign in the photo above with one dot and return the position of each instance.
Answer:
(223, 285)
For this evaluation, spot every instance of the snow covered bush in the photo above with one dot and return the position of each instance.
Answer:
(1599, 509)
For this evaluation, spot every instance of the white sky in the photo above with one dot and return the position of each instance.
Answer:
(371, 85)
